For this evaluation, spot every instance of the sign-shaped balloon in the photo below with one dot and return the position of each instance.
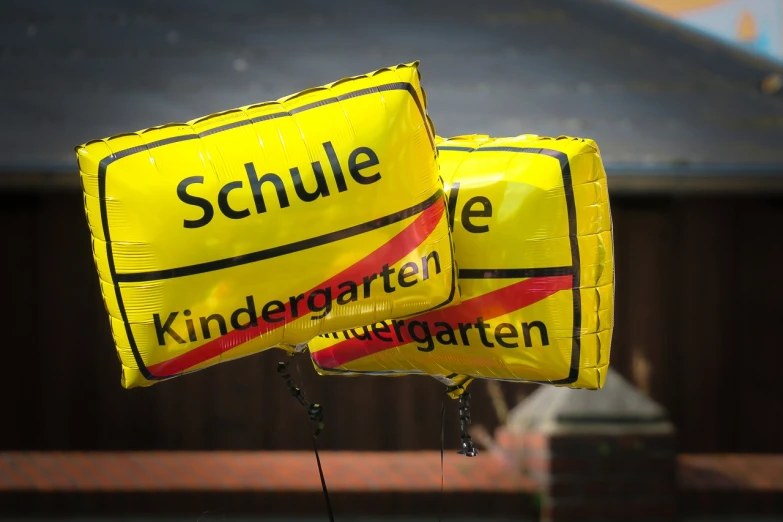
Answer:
(269, 224)
(532, 232)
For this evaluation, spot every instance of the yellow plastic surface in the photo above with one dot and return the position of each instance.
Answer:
(532, 233)
(268, 224)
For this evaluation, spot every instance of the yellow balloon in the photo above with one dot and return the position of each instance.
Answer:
(266, 225)
(532, 232)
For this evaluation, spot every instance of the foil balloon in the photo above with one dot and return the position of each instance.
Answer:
(532, 232)
(266, 225)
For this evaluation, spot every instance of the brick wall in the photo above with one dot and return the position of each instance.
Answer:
(391, 483)
(189, 484)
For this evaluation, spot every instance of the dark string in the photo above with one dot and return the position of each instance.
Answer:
(323, 481)
(468, 448)
(316, 413)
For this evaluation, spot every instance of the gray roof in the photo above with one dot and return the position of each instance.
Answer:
(658, 100)
(617, 407)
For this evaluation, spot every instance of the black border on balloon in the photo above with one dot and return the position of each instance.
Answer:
(518, 273)
(107, 161)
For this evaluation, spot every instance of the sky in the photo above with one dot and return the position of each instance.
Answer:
(756, 25)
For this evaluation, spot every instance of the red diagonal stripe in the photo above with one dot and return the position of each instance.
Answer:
(493, 304)
(389, 253)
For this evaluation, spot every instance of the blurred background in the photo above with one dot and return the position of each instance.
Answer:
(685, 100)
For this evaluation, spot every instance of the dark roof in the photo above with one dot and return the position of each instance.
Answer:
(658, 100)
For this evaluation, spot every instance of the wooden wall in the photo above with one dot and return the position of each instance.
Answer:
(698, 299)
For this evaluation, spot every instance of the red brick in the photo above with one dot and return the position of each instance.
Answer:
(247, 471)
(709, 484)
(528, 443)
(731, 472)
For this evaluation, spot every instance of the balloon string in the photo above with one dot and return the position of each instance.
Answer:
(316, 413)
(323, 481)
(442, 444)
(468, 448)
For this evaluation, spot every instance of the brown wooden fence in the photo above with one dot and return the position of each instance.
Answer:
(698, 303)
